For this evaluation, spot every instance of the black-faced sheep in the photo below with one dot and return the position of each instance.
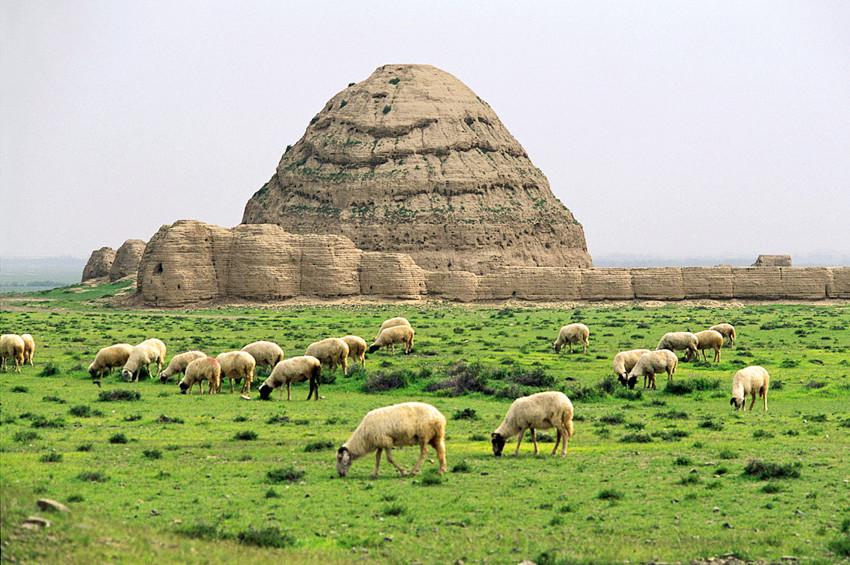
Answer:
(539, 411)
(391, 323)
(265, 353)
(203, 369)
(356, 349)
(570, 334)
(727, 331)
(751, 381)
(680, 341)
(179, 363)
(331, 352)
(238, 366)
(29, 348)
(624, 362)
(109, 358)
(12, 347)
(652, 363)
(143, 355)
(710, 339)
(391, 336)
(293, 370)
(382, 429)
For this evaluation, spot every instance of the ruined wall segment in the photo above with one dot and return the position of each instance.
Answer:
(99, 263)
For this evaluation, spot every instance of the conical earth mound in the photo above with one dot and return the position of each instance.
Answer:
(411, 160)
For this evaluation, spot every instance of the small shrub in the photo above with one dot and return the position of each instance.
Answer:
(727, 454)
(19, 388)
(83, 447)
(83, 411)
(815, 384)
(381, 381)
(682, 386)
(42, 422)
(245, 435)
(240, 418)
(393, 510)
(52, 398)
(609, 494)
(51, 457)
(75, 498)
(461, 467)
(840, 546)
(764, 470)
(671, 434)
(771, 488)
(119, 395)
(152, 454)
(636, 438)
(776, 384)
(132, 417)
(463, 378)
(118, 438)
(613, 419)
(672, 415)
(320, 445)
(682, 461)
(431, 478)
(49, 370)
(265, 537)
(272, 493)
(93, 477)
(279, 419)
(163, 419)
(478, 437)
(285, 475)
(466, 414)
(25, 436)
(762, 434)
(789, 363)
(689, 479)
(709, 424)
(200, 530)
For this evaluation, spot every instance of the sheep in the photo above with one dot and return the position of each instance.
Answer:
(710, 339)
(396, 334)
(399, 425)
(143, 355)
(356, 349)
(331, 352)
(237, 366)
(12, 347)
(538, 411)
(651, 363)
(179, 363)
(680, 341)
(391, 323)
(265, 353)
(727, 331)
(202, 369)
(570, 334)
(750, 380)
(624, 362)
(109, 358)
(293, 370)
(29, 348)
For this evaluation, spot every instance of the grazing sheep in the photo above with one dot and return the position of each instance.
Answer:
(109, 358)
(356, 349)
(750, 380)
(391, 323)
(331, 352)
(143, 355)
(293, 370)
(29, 348)
(710, 339)
(727, 331)
(680, 341)
(399, 425)
(265, 353)
(390, 336)
(649, 364)
(12, 347)
(237, 366)
(179, 363)
(202, 369)
(570, 334)
(536, 412)
(624, 362)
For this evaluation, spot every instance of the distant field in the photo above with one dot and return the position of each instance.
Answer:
(656, 475)
(34, 274)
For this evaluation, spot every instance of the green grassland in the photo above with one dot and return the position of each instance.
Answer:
(650, 475)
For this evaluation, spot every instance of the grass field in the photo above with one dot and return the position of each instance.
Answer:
(661, 475)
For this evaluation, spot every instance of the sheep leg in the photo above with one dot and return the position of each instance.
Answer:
(586, 344)
(557, 443)
(289, 391)
(717, 355)
(764, 398)
(389, 452)
(440, 446)
(753, 400)
(423, 451)
(231, 386)
(377, 463)
(519, 441)
(534, 440)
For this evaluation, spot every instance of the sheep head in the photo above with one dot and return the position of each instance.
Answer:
(737, 403)
(163, 378)
(183, 387)
(373, 348)
(557, 347)
(498, 442)
(265, 391)
(343, 461)
(127, 374)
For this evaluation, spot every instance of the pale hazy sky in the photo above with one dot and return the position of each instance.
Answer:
(668, 128)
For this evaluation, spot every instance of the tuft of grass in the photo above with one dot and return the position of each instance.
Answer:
(840, 546)
(466, 414)
(461, 467)
(636, 438)
(200, 530)
(50, 369)
(431, 478)
(613, 419)
(163, 419)
(393, 510)
(93, 477)
(52, 398)
(19, 388)
(682, 386)
(764, 470)
(25, 436)
(727, 454)
(710, 424)
(84, 411)
(51, 457)
(119, 395)
(381, 381)
(285, 475)
(279, 419)
(682, 461)
(320, 445)
(265, 537)
(689, 479)
(245, 435)
(609, 494)
(152, 454)
(771, 488)
(118, 438)
(84, 447)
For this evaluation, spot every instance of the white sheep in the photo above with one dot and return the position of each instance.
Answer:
(12, 347)
(202, 369)
(710, 339)
(624, 362)
(652, 363)
(391, 323)
(238, 366)
(331, 352)
(570, 334)
(29, 348)
(727, 331)
(109, 358)
(539, 411)
(179, 363)
(145, 354)
(265, 353)
(356, 349)
(680, 341)
(752, 381)
(293, 370)
(399, 425)
(391, 336)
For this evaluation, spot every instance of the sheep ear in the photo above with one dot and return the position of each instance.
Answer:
(494, 435)
(732, 402)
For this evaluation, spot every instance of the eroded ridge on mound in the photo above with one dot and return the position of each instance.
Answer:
(410, 160)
